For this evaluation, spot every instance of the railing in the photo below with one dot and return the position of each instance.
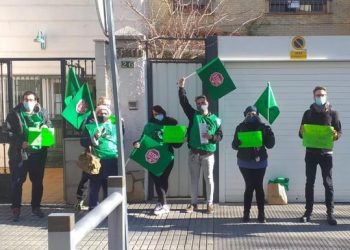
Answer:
(64, 234)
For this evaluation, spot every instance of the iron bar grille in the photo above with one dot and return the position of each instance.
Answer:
(298, 6)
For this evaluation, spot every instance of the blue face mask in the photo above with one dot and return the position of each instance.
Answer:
(320, 100)
(159, 117)
(29, 106)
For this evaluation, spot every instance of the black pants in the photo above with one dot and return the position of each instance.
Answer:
(35, 166)
(253, 179)
(161, 183)
(326, 163)
(109, 167)
(82, 186)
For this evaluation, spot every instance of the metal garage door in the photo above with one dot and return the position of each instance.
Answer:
(165, 93)
(292, 83)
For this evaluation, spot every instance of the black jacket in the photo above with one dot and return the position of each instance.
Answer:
(15, 131)
(253, 153)
(327, 117)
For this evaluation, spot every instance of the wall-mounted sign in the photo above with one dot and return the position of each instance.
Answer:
(127, 64)
(299, 52)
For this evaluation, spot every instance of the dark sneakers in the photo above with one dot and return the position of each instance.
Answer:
(261, 218)
(16, 212)
(331, 220)
(38, 212)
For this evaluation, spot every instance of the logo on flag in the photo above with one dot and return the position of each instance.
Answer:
(216, 79)
(81, 107)
(152, 156)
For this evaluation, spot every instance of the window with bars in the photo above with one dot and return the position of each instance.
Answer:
(298, 6)
(189, 5)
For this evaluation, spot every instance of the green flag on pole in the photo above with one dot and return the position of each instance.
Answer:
(80, 108)
(215, 79)
(152, 155)
(72, 86)
(41, 137)
(267, 105)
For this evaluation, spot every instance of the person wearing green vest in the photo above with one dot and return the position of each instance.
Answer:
(100, 138)
(24, 158)
(204, 132)
(154, 129)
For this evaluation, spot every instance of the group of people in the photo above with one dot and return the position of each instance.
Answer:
(252, 161)
(99, 137)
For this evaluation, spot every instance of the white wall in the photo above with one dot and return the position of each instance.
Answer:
(69, 25)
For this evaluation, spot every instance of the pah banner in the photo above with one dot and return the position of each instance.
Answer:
(215, 78)
(152, 155)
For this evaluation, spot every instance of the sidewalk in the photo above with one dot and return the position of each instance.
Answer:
(178, 230)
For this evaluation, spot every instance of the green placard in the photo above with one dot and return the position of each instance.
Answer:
(174, 134)
(251, 139)
(318, 136)
(41, 137)
(152, 155)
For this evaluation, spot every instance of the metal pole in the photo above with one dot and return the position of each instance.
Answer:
(115, 85)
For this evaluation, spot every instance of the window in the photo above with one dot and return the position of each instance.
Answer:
(298, 6)
(189, 5)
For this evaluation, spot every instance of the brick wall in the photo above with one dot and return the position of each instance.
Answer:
(335, 22)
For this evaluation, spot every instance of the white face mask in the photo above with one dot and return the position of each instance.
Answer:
(29, 106)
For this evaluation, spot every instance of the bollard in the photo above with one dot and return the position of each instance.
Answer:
(116, 219)
(60, 227)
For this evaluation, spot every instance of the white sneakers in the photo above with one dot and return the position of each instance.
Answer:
(161, 209)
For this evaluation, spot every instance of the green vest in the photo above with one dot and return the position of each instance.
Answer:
(31, 121)
(107, 143)
(155, 131)
(212, 122)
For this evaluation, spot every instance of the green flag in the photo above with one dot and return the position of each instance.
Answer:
(80, 108)
(215, 79)
(41, 137)
(174, 134)
(267, 105)
(152, 155)
(72, 86)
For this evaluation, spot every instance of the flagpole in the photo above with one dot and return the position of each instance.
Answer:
(94, 113)
(268, 102)
(193, 73)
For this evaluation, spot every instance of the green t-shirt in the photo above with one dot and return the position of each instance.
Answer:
(107, 142)
(212, 123)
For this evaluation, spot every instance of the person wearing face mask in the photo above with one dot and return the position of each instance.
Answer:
(252, 161)
(81, 189)
(154, 129)
(320, 113)
(100, 138)
(204, 132)
(24, 158)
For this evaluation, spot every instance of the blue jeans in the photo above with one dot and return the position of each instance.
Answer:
(109, 167)
(35, 166)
